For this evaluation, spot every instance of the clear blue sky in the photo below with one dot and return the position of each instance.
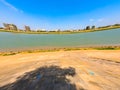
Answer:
(59, 14)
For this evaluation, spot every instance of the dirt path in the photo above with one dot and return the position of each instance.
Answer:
(96, 69)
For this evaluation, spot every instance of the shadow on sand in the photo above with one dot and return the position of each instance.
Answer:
(44, 78)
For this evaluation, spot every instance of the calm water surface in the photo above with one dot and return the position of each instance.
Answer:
(12, 40)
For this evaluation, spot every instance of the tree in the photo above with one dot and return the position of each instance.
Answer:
(93, 27)
(6, 26)
(9, 26)
(88, 28)
(27, 28)
(13, 27)
(116, 24)
(1, 28)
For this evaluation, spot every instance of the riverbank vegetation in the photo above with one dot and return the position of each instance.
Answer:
(9, 53)
(13, 28)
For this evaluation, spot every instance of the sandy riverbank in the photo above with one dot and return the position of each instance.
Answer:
(95, 69)
(14, 51)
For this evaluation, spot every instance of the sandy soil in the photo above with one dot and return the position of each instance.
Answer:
(96, 69)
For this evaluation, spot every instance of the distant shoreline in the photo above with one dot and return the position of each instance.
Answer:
(61, 32)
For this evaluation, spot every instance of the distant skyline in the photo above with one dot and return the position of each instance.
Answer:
(59, 14)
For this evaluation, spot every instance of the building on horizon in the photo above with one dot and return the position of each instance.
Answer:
(10, 26)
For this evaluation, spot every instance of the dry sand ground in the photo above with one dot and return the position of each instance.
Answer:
(96, 69)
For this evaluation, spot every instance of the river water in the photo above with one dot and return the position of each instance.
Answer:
(100, 38)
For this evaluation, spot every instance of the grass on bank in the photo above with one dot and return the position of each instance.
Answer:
(9, 53)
